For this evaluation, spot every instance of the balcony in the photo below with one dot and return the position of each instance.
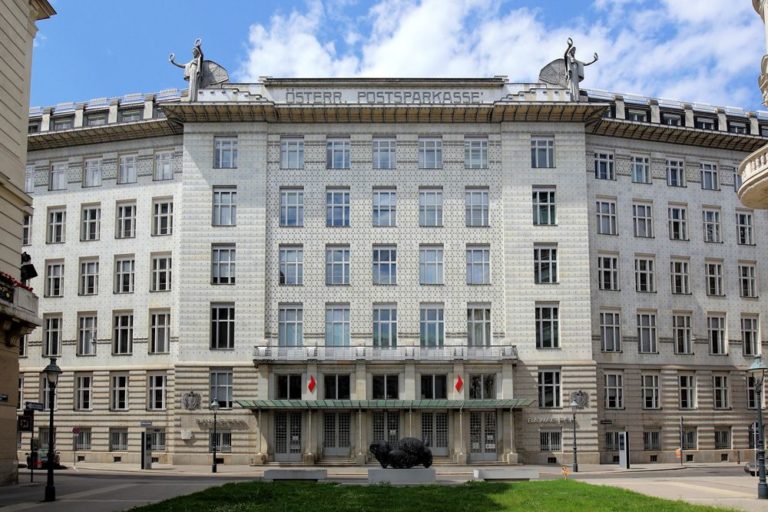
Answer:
(272, 353)
(754, 179)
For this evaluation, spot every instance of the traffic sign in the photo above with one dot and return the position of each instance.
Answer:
(25, 423)
(35, 406)
(76, 430)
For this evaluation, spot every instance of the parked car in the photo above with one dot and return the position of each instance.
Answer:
(41, 460)
(751, 468)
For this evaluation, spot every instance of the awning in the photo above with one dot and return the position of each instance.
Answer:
(510, 403)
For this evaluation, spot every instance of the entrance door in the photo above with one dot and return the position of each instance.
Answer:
(386, 426)
(336, 434)
(482, 436)
(287, 436)
(434, 432)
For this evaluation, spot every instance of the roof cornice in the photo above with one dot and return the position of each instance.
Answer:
(101, 134)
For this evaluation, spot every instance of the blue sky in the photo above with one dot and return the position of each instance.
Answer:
(694, 50)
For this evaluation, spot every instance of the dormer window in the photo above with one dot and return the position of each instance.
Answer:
(33, 127)
(637, 115)
(705, 123)
(764, 131)
(670, 119)
(97, 119)
(740, 128)
(62, 123)
(131, 115)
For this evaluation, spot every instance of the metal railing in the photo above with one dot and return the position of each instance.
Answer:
(375, 353)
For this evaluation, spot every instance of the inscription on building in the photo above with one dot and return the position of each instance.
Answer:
(378, 96)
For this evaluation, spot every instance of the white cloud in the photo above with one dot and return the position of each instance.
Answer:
(696, 50)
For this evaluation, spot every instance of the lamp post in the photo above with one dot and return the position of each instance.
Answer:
(578, 401)
(214, 407)
(757, 371)
(51, 373)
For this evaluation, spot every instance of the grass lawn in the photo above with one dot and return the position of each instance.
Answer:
(554, 495)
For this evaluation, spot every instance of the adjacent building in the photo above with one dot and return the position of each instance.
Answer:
(335, 262)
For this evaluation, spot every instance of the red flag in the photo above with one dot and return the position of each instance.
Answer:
(459, 383)
(312, 383)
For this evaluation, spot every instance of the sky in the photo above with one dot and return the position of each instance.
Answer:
(704, 51)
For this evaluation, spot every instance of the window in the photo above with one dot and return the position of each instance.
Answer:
(678, 223)
(156, 391)
(118, 393)
(476, 206)
(223, 263)
(124, 274)
(86, 334)
(162, 217)
(431, 325)
(290, 330)
(675, 173)
(337, 208)
(90, 223)
(642, 219)
(670, 119)
(606, 217)
(716, 335)
(431, 264)
(57, 219)
(608, 272)
(83, 392)
(475, 153)
(550, 440)
(337, 154)
(752, 394)
(337, 265)
(291, 208)
(83, 439)
(92, 176)
(292, 154)
(651, 391)
(225, 152)
(705, 123)
(221, 387)
(430, 207)
(430, 153)
(23, 343)
(384, 153)
(711, 226)
(720, 388)
(482, 386)
(679, 276)
(385, 387)
(714, 276)
(547, 326)
(384, 326)
(434, 387)
(29, 179)
(723, 434)
(689, 438)
(544, 207)
(544, 264)
(709, 176)
(288, 387)
(681, 332)
(542, 152)
(163, 166)
(291, 265)
(738, 181)
(122, 340)
(131, 116)
(637, 115)
(384, 208)
(644, 278)
(687, 391)
(749, 335)
(336, 387)
(337, 325)
(222, 326)
(118, 439)
(62, 123)
(652, 440)
(225, 206)
(641, 169)
(126, 220)
(58, 176)
(54, 279)
(96, 119)
(26, 232)
(479, 326)
(222, 440)
(156, 439)
(744, 228)
(604, 166)
(384, 265)
(614, 391)
(127, 169)
(747, 283)
(478, 264)
(52, 335)
(610, 331)
(159, 332)
(45, 396)
(549, 388)
(646, 332)
(161, 273)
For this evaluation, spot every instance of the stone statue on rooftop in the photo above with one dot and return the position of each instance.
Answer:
(200, 73)
(566, 72)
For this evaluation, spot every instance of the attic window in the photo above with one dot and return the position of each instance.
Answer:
(705, 123)
(637, 115)
(740, 128)
(670, 119)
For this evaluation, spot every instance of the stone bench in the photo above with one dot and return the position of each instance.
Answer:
(270, 475)
(505, 474)
(402, 476)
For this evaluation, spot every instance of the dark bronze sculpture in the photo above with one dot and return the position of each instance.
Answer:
(406, 453)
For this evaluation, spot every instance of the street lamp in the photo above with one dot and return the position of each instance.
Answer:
(51, 373)
(214, 407)
(757, 370)
(578, 401)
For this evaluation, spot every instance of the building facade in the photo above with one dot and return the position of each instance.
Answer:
(18, 304)
(343, 261)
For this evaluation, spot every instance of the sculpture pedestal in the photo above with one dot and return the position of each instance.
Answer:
(270, 475)
(413, 476)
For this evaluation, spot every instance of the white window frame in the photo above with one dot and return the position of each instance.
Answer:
(614, 390)
(125, 274)
(641, 169)
(679, 276)
(118, 391)
(547, 320)
(713, 273)
(125, 220)
(92, 173)
(162, 217)
(90, 222)
(89, 276)
(431, 264)
(542, 152)
(478, 265)
(337, 207)
(57, 226)
(681, 333)
(337, 265)
(476, 207)
(291, 261)
(608, 272)
(642, 219)
(224, 206)
(292, 153)
(686, 384)
(384, 264)
(431, 207)
(475, 153)
(430, 153)
(646, 332)
(384, 153)
(337, 153)
(83, 392)
(156, 391)
(163, 166)
(337, 325)
(122, 329)
(384, 326)
(606, 217)
(720, 392)
(549, 379)
(678, 222)
(290, 325)
(744, 228)
(479, 328)
(709, 176)
(52, 332)
(161, 272)
(58, 176)
(676, 173)
(222, 326)
(384, 213)
(645, 278)
(545, 270)
(651, 391)
(716, 332)
(604, 169)
(159, 331)
(221, 386)
(127, 172)
(432, 325)
(54, 278)
(87, 329)
(292, 201)
(223, 264)
(610, 331)
(750, 335)
(544, 206)
(711, 223)
(225, 152)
